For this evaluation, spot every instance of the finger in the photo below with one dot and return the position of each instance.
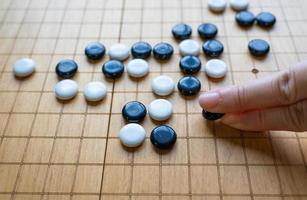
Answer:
(291, 118)
(284, 88)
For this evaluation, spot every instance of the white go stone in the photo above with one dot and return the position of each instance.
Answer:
(160, 109)
(24, 67)
(132, 135)
(239, 5)
(216, 68)
(66, 89)
(189, 48)
(162, 85)
(217, 5)
(119, 52)
(95, 91)
(137, 68)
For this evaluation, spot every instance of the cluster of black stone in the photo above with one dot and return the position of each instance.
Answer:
(207, 31)
(263, 19)
(189, 85)
(67, 68)
(257, 47)
(162, 136)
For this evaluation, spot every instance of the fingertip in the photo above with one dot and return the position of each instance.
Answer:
(209, 99)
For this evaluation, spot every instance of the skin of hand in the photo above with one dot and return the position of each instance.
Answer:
(277, 102)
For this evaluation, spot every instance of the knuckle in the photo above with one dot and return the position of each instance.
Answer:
(298, 116)
(286, 87)
(241, 97)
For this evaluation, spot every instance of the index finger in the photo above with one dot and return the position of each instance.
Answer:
(284, 88)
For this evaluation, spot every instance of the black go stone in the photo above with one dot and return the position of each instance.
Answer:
(189, 85)
(212, 116)
(245, 18)
(95, 50)
(265, 19)
(163, 137)
(141, 50)
(113, 69)
(207, 31)
(190, 64)
(213, 48)
(66, 68)
(258, 47)
(182, 31)
(134, 111)
(163, 51)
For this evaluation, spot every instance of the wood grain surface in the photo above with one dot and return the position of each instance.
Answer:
(52, 150)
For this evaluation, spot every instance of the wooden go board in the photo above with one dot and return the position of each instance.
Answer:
(58, 151)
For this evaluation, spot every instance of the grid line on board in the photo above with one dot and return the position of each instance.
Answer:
(58, 122)
(297, 55)
(152, 164)
(110, 114)
(133, 164)
(85, 118)
(136, 97)
(14, 102)
(271, 143)
(32, 124)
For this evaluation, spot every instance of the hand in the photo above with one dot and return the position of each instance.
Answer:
(276, 102)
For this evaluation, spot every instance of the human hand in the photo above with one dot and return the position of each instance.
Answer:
(276, 102)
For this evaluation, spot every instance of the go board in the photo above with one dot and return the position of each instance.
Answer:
(70, 150)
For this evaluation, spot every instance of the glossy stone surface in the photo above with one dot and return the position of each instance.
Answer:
(190, 64)
(95, 91)
(66, 68)
(119, 52)
(160, 109)
(95, 50)
(217, 5)
(182, 31)
(113, 69)
(189, 48)
(138, 68)
(189, 85)
(132, 135)
(207, 30)
(216, 68)
(213, 48)
(212, 116)
(163, 137)
(134, 111)
(265, 19)
(24, 67)
(162, 85)
(258, 47)
(245, 18)
(163, 51)
(239, 5)
(66, 89)
(141, 50)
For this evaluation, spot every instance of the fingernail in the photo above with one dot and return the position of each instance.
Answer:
(231, 118)
(209, 99)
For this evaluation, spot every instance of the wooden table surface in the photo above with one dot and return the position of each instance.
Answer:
(70, 150)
